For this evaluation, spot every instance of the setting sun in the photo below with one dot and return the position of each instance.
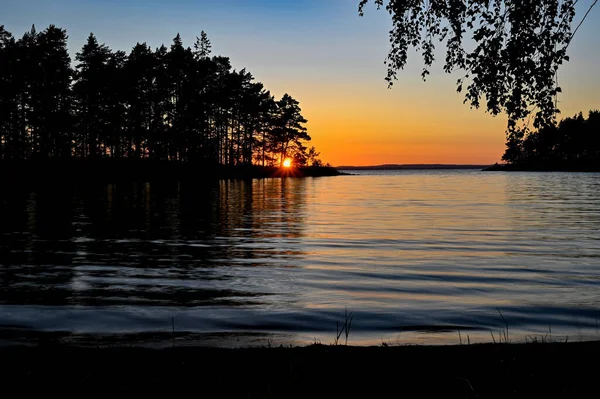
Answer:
(287, 163)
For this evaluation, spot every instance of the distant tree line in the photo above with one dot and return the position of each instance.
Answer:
(176, 103)
(572, 144)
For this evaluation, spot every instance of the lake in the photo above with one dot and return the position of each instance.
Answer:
(430, 257)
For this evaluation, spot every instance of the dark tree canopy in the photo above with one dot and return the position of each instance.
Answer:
(173, 103)
(572, 144)
(288, 128)
(508, 51)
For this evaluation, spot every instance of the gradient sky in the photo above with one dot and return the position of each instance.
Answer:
(331, 60)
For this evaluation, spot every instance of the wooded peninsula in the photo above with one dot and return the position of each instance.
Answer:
(168, 110)
(571, 145)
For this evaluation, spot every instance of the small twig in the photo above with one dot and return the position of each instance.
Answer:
(492, 334)
(459, 337)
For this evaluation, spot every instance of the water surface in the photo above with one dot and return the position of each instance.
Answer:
(415, 256)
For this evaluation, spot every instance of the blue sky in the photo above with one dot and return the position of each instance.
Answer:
(325, 55)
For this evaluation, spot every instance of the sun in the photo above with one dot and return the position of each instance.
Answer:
(287, 163)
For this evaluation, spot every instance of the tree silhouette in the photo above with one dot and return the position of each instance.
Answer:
(139, 72)
(573, 144)
(158, 135)
(519, 46)
(168, 104)
(202, 46)
(90, 90)
(312, 157)
(54, 95)
(9, 140)
(35, 100)
(27, 78)
(287, 129)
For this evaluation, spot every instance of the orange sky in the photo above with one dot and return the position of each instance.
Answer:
(380, 126)
(415, 121)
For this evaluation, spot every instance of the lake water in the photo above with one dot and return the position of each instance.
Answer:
(414, 256)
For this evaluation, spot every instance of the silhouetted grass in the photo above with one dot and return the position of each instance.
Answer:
(485, 371)
(540, 367)
(345, 329)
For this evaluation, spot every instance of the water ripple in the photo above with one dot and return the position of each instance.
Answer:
(422, 254)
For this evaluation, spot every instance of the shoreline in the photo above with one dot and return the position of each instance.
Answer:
(80, 171)
(515, 168)
(478, 370)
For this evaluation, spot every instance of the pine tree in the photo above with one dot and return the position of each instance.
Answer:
(202, 46)
(90, 94)
(54, 106)
(139, 72)
(287, 127)
(8, 95)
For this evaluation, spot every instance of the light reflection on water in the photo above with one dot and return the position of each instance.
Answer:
(406, 252)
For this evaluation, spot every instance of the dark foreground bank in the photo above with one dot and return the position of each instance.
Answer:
(108, 170)
(473, 371)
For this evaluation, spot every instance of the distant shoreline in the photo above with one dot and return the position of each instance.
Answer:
(413, 167)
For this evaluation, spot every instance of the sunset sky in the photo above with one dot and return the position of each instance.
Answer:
(331, 60)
